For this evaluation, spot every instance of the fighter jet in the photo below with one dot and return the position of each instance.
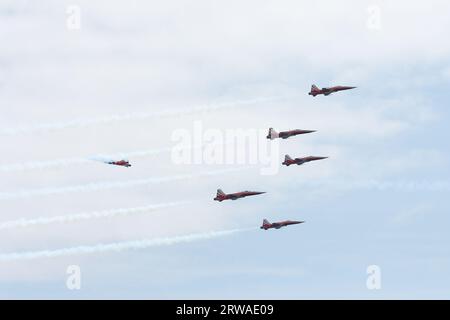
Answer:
(286, 134)
(327, 91)
(234, 196)
(298, 161)
(123, 163)
(277, 225)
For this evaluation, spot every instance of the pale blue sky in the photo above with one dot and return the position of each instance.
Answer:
(381, 198)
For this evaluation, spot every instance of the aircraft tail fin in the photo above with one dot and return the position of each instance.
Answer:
(272, 134)
(286, 157)
(220, 192)
(314, 88)
(265, 221)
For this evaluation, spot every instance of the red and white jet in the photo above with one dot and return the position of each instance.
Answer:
(123, 163)
(277, 225)
(298, 161)
(327, 91)
(286, 134)
(234, 196)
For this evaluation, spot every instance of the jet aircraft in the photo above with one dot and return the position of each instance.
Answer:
(298, 161)
(123, 163)
(327, 91)
(286, 134)
(234, 196)
(277, 225)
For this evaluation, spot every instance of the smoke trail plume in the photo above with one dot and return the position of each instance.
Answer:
(55, 163)
(31, 165)
(110, 185)
(380, 185)
(132, 116)
(22, 223)
(118, 246)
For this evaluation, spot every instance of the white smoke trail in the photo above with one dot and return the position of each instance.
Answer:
(55, 163)
(118, 246)
(32, 165)
(22, 223)
(133, 116)
(380, 185)
(110, 185)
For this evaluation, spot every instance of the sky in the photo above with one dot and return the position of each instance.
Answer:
(86, 81)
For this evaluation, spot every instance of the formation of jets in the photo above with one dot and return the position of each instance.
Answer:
(221, 196)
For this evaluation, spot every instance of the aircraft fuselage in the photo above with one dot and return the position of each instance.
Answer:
(278, 225)
(300, 161)
(328, 91)
(237, 195)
